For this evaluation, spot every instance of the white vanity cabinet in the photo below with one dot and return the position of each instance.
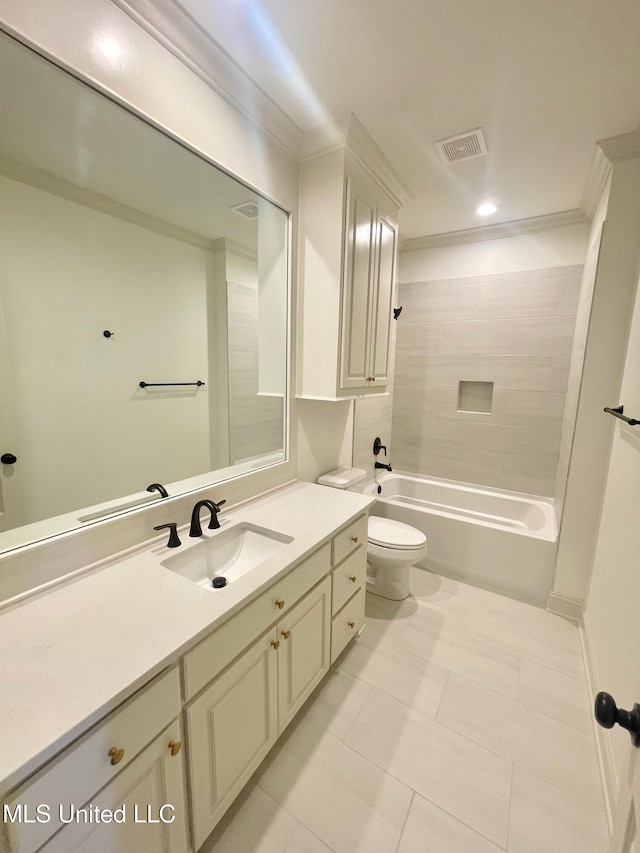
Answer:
(349, 559)
(234, 723)
(348, 228)
(147, 800)
(231, 727)
(132, 759)
(160, 770)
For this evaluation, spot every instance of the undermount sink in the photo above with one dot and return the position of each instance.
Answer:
(227, 554)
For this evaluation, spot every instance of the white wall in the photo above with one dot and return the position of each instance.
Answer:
(87, 432)
(552, 247)
(583, 313)
(604, 354)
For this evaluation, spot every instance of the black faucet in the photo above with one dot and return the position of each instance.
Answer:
(159, 488)
(214, 524)
(382, 465)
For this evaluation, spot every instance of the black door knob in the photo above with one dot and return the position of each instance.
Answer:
(8, 459)
(608, 714)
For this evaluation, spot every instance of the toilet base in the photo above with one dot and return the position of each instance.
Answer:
(390, 583)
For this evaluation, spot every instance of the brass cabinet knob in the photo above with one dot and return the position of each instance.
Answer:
(280, 604)
(353, 578)
(354, 538)
(275, 643)
(175, 746)
(116, 753)
(351, 624)
(286, 634)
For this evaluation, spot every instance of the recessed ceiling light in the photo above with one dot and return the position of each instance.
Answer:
(486, 208)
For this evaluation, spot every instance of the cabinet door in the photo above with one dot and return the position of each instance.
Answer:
(304, 650)
(383, 295)
(356, 285)
(147, 801)
(231, 727)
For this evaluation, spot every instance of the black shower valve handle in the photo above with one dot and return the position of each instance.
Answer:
(378, 446)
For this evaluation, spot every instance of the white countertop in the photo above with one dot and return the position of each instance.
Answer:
(72, 654)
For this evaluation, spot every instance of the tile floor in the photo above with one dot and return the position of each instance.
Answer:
(459, 722)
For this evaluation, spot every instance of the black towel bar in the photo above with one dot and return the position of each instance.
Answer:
(617, 413)
(165, 384)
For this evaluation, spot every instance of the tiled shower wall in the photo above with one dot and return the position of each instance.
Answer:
(256, 423)
(514, 330)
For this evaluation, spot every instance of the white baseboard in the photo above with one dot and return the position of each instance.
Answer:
(562, 605)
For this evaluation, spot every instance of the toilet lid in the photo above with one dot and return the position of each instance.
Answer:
(394, 534)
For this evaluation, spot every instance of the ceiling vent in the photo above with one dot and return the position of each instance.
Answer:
(249, 209)
(464, 146)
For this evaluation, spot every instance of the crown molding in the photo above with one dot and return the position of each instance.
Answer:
(182, 36)
(50, 183)
(346, 131)
(232, 247)
(623, 147)
(494, 232)
(595, 183)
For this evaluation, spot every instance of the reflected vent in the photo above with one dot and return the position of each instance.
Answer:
(465, 146)
(249, 209)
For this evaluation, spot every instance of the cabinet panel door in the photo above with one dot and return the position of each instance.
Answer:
(148, 803)
(357, 280)
(304, 651)
(385, 272)
(231, 727)
(347, 623)
(84, 768)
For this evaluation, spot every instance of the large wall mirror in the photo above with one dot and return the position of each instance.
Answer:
(143, 309)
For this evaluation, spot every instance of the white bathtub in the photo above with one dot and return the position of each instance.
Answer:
(500, 540)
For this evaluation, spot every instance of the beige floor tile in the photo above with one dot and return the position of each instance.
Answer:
(461, 777)
(551, 749)
(546, 819)
(337, 702)
(438, 615)
(533, 643)
(413, 681)
(385, 620)
(340, 796)
(429, 829)
(262, 826)
(428, 587)
(475, 701)
(527, 619)
(556, 695)
(464, 653)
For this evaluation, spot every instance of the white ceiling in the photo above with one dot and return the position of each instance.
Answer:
(544, 79)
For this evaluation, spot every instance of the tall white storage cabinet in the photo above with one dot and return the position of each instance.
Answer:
(349, 202)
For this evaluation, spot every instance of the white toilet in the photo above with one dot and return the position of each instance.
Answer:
(392, 546)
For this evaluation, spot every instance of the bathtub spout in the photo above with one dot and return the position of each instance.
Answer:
(382, 465)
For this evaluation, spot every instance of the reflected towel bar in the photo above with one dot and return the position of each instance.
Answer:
(165, 384)
(617, 413)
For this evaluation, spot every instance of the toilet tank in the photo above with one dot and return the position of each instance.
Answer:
(343, 478)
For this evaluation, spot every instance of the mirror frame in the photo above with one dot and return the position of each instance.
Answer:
(56, 527)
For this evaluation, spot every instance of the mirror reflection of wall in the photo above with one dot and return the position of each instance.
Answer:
(108, 225)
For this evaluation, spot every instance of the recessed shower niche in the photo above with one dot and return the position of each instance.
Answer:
(475, 397)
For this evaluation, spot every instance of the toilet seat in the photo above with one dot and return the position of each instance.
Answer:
(387, 533)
